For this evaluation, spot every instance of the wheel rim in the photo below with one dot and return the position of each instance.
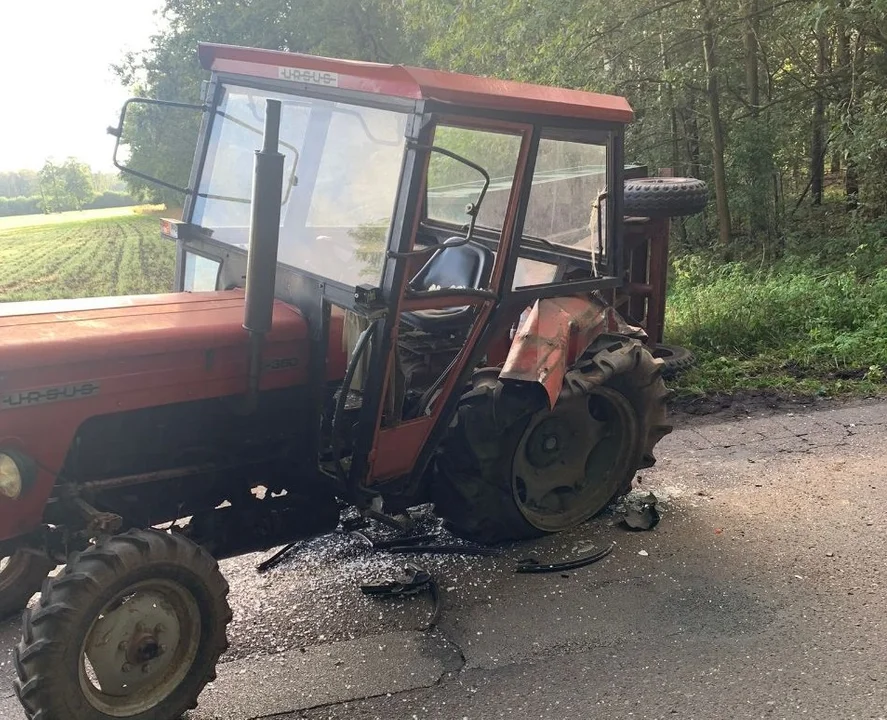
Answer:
(573, 459)
(140, 647)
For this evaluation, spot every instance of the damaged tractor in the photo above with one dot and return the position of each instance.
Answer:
(393, 286)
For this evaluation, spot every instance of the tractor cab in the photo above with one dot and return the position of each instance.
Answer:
(422, 216)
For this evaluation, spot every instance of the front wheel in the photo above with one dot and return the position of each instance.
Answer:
(132, 628)
(21, 575)
(513, 469)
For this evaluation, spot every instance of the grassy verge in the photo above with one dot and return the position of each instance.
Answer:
(812, 323)
(21, 221)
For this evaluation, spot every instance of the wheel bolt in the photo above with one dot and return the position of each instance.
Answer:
(126, 667)
(123, 645)
(161, 650)
(158, 628)
(146, 668)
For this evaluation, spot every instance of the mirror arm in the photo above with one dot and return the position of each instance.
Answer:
(472, 210)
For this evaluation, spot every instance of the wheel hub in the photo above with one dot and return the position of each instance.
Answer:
(548, 442)
(144, 648)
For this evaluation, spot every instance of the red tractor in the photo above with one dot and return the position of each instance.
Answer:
(391, 288)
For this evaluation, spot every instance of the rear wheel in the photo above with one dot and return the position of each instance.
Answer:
(513, 469)
(21, 575)
(132, 628)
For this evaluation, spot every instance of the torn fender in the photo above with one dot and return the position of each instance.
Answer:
(554, 334)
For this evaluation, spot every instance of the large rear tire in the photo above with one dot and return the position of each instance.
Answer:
(132, 628)
(511, 469)
(21, 576)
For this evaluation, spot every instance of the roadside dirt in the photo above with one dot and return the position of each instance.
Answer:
(719, 407)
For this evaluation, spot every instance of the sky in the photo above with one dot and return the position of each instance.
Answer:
(58, 93)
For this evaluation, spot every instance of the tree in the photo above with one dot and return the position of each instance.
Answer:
(52, 188)
(77, 180)
(18, 183)
(717, 129)
(65, 187)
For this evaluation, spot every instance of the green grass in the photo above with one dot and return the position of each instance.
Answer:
(118, 254)
(813, 323)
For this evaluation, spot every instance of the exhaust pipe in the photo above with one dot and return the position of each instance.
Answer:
(264, 235)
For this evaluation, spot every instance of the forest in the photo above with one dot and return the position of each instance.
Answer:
(779, 105)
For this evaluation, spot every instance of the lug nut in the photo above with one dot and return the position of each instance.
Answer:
(126, 667)
(146, 668)
(158, 628)
(123, 645)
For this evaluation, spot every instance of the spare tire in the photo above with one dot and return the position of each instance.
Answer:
(677, 359)
(664, 197)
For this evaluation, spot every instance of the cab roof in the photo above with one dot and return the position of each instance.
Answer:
(415, 83)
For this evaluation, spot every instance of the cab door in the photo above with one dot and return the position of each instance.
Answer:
(449, 281)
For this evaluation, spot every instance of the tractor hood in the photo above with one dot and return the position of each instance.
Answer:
(64, 362)
(65, 332)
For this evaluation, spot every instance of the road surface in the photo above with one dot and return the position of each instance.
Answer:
(762, 593)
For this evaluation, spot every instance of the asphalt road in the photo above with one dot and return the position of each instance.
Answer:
(760, 594)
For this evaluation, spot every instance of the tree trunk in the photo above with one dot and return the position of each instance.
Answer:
(667, 98)
(752, 76)
(690, 128)
(760, 166)
(817, 139)
(855, 67)
(717, 130)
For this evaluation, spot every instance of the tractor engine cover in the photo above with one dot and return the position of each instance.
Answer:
(66, 361)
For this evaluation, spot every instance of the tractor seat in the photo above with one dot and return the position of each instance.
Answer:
(464, 266)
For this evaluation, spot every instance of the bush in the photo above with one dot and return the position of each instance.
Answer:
(110, 199)
(19, 206)
(802, 315)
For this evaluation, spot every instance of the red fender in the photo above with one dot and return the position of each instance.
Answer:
(556, 332)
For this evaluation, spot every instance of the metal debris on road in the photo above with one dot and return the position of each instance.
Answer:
(414, 580)
(440, 549)
(275, 559)
(532, 565)
(639, 511)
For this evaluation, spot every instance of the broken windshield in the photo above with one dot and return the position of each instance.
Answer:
(342, 166)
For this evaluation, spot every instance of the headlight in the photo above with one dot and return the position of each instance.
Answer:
(10, 477)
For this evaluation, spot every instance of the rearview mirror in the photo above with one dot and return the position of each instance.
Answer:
(175, 146)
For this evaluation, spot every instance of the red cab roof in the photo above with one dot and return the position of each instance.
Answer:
(415, 83)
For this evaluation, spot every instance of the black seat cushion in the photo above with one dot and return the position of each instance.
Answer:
(463, 266)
